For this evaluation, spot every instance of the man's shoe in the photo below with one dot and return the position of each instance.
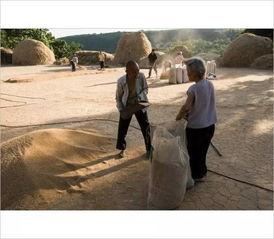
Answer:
(149, 153)
(121, 154)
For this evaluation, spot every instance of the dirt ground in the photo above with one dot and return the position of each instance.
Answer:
(69, 104)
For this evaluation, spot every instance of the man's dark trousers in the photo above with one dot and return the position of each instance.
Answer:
(102, 64)
(142, 119)
(152, 65)
(73, 66)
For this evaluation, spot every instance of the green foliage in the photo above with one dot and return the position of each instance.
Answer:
(160, 40)
(11, 37)
(197, 40)
(199, 46)
(217, 46)
(96, 42)
(64, 49)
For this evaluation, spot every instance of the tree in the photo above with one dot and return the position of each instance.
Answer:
(11, 37)
(261, 32)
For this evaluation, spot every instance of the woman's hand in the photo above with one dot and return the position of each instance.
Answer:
(179, 116)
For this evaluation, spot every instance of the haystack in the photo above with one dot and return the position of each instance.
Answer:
(62, 61)
(263, 62)
(143, 63)
(245, 49)
(165, 75)
(92, 57)
(132, 46)
(209, 56)
(6, 56)
(186, 52)
(32, 52)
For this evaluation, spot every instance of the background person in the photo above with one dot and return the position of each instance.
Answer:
(179, 59)
(200, 111)
(152, 57)
(74, 62)
(102, 60)
(132, 88)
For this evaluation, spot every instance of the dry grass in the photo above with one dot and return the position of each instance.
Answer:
(32, 52)
(132, 46)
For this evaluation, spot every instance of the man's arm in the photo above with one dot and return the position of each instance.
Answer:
(185, 108)
(119, 95)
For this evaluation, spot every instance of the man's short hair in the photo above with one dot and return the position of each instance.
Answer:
(131, 63)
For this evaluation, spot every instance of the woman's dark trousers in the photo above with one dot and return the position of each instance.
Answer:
(198, 141)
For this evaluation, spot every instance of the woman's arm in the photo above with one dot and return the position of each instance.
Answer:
(185, 108)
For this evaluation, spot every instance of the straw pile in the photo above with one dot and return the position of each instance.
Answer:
(6, 56)
(209, 56)
(32, 52)
(186, 52)
(165, 75)
(132, 46)
(245, 49)
(263, 62)
(62, 61)
(92, 57)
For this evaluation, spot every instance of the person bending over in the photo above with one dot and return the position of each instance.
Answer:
(74, 62)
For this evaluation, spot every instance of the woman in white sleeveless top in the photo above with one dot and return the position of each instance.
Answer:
(200, 112)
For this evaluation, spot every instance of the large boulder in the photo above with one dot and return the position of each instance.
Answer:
(6, 56)
(245, 49)
(263, 62)
(32, 52)
(144, 63)
(92, 57)
(132, 46)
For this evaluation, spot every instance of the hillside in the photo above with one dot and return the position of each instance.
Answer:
(159, 39)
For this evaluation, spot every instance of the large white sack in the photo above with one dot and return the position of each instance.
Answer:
(172, 76)
(169, 170)
(177, 128)
(185, 74)
(179, 75)
(210, 67)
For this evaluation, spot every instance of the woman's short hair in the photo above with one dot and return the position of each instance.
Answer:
(196, 65)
